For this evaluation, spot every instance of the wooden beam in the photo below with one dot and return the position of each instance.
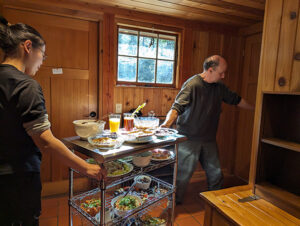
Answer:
(258, 4)
(256, 9)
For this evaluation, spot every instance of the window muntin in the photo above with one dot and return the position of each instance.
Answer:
(146, 57)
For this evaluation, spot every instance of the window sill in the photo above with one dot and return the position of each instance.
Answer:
(144, 86)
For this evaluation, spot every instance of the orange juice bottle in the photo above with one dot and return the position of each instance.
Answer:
(114, 124)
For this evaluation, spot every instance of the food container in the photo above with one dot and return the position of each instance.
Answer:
(142, 159)
(107, 215)
(146, 122)
(142, 182)
(125, 212)
(88, 127)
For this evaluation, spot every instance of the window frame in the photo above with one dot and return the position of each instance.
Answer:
(144, 84)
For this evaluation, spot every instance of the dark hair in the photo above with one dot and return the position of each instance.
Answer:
(211, 62)
(12, 35)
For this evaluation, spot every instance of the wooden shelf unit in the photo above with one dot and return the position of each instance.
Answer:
(282, 143)
(277, 176)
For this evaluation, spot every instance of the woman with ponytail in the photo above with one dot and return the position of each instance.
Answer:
(24, 127)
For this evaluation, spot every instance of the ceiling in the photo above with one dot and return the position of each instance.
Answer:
(232, 12)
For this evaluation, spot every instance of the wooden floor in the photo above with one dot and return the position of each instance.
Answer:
(191, 212)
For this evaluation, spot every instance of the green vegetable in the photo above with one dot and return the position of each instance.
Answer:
(128, 202)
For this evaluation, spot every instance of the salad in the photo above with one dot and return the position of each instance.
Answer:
(91, 206)
(127, 203)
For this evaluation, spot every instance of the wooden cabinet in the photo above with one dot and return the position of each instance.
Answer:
(280, 57)
(277, 177)
(275, 158)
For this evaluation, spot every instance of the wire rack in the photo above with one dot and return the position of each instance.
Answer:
(159, 190)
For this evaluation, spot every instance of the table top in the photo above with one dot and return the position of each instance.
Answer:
(101, 156)
(237, 205)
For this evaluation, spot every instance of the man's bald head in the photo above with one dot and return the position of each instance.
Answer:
(213, 62)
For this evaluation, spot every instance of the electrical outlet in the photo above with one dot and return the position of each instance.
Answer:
(118, 108)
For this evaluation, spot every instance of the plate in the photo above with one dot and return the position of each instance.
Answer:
(170, 157)
(114, 164)
(164, 132)
(105, 142)
(139, 140)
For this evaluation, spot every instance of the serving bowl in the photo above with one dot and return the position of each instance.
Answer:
(142, 182)
(85, 128)
(115, 201)
(142, 159)
(146, 122)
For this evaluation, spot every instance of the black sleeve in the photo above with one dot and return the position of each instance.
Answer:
(230, 97)
(30, 101)
(182, 99)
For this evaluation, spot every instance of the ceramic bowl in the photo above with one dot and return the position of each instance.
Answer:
(88, 127)
(143, 159)
(142, 182)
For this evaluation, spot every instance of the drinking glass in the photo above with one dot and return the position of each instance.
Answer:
(114, 122)
(128, 121)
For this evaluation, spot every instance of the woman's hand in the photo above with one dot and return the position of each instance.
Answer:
(96, 172)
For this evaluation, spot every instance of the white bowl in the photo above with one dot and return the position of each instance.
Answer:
(88, 127)
(142, 161)
(146, 122)
(124, 212)
(140, 184)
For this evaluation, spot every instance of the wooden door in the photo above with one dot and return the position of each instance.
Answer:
(246, 118)
(71, 45)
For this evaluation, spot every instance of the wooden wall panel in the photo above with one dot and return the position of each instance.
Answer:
(270, 43)
(158, 100)
(245, 117)
(286, 44)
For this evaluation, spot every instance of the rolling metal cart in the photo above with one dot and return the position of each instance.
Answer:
(75, 144)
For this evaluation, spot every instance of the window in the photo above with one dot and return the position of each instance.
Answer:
(146, 57)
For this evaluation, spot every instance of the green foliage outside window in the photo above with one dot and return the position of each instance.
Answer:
(146, 57)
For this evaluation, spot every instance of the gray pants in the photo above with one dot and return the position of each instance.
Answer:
(189, 153)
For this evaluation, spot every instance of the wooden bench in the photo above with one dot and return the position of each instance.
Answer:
(238, 206)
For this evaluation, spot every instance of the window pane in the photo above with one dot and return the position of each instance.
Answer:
(147, 44)
(146, 70)
(166, 49)
(165, 71)
(127, 44)
(126, 69)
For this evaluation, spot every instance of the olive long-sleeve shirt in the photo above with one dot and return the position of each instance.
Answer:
(199, 106)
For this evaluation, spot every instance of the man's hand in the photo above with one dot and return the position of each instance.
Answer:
(245, 105)
(170, 119)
